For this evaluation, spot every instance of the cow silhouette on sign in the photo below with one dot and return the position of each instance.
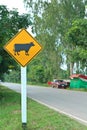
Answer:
(22, 47)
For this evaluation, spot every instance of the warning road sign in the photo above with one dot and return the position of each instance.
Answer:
(23, 47)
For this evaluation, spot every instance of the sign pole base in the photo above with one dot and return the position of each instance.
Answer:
(24, 126)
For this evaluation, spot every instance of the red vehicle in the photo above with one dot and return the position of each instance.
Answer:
(59, 84)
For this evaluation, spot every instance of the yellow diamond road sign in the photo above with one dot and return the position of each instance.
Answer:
(23, 47)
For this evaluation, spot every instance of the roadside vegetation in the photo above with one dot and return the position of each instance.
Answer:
(61, 31)
(39, 117)
(63, 34)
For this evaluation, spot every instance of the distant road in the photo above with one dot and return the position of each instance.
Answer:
(71, 103)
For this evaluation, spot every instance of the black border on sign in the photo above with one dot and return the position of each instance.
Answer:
(13, 56)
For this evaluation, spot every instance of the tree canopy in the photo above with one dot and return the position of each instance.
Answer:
(77, 34)
(10, 23)
(60, 26)
(52, 20)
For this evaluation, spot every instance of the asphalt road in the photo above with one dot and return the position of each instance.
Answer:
(71, 103)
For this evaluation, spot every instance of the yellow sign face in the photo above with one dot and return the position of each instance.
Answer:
(23, 47)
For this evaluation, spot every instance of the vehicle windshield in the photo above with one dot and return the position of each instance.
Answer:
(58, 80)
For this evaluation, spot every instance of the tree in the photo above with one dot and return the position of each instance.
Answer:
(10, 23)
(70, 11)
(77, 36)
(51, 21)
(50, 56)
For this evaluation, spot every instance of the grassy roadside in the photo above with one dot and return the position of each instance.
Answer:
(39, 116)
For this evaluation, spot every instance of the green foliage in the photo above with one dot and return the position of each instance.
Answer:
(12, 76)
(51, 22)
(77, 34)
(10, 23)
(36, 72)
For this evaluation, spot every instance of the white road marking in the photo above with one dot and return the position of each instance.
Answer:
(62, 112)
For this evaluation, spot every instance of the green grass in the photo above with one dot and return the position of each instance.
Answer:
(39, 84)
(39, 117)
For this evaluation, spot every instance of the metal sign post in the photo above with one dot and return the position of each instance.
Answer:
(23, 97)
